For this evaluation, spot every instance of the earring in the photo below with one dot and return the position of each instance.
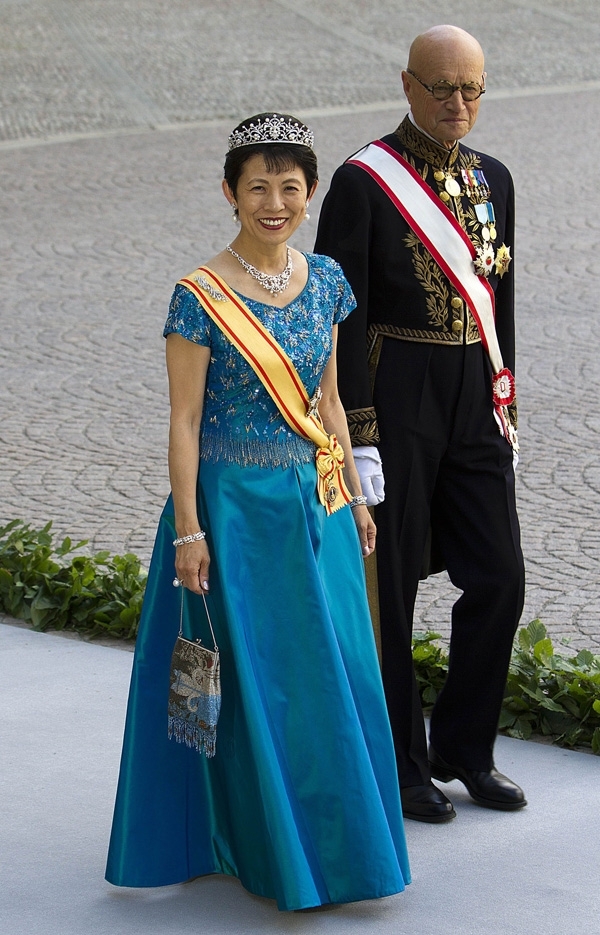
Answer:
(307, 215)
(234, 215)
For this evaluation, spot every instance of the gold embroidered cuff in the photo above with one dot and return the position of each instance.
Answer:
(362, 424)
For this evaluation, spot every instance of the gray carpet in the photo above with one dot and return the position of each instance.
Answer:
(527, 873)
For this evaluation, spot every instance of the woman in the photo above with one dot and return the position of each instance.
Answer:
(301, 800)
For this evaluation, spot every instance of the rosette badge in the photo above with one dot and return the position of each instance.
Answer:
(484, 260)
(503, 388)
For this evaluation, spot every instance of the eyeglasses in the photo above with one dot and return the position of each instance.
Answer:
(443, 90)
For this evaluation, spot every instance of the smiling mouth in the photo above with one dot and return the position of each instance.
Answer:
(272, 222)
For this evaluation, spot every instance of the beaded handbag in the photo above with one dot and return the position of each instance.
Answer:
(195, 690)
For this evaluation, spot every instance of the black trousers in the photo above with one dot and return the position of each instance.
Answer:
(446, 465)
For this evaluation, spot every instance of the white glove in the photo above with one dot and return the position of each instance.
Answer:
(370, 471)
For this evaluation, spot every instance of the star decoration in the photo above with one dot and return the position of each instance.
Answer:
(484, 260)
(503, 259)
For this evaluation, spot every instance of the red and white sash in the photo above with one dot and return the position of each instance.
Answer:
(452, 250)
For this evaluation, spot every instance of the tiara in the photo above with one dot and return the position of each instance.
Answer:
(272, 129)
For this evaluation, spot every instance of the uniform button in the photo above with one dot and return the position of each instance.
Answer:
(439, 176)
(456, 302)
(444, 196)
(457, 326)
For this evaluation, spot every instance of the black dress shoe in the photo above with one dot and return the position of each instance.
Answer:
(426, 803)
(488, 788)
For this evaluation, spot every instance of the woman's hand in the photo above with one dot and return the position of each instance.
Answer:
(367, 531)
(192, 562)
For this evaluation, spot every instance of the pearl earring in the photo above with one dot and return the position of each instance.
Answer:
(234, 215)
(307, 215)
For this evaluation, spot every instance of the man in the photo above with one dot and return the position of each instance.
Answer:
(423, 229)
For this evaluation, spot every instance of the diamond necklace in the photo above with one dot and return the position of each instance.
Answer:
(273, 284)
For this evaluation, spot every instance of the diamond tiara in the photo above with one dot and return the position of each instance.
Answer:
(272, 129)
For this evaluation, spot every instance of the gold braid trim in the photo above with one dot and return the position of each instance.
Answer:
(362, 425)
(434, 153)
(417, 334)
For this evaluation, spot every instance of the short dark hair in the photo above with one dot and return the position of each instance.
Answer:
(278, 157)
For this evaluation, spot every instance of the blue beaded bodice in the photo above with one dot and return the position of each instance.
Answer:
(240, 421)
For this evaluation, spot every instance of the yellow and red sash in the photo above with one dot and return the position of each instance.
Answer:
(278, 375)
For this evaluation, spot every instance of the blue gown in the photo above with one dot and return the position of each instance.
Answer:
(301, 801)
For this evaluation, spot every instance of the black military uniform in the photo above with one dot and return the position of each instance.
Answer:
(416, 382)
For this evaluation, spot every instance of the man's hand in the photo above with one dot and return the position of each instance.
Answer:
(370, 471)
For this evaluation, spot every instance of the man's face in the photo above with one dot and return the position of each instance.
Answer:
(450, 120)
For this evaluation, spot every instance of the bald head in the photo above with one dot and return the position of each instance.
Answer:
(443, 53)
(444, 43)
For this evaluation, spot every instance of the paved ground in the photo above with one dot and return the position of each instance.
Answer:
(533, 872)
(113, 119)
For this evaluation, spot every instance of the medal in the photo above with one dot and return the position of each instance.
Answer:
(452, 186)
(487, 218)
(484, 259)
(477, 186)
(503, 259)
(482, 185)
(503, 388)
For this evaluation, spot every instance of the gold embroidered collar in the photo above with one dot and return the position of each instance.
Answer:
(425, 148)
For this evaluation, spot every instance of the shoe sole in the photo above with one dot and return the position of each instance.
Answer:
(443, 775)
(430, 820)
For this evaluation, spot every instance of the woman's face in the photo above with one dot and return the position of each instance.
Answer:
(271, 205)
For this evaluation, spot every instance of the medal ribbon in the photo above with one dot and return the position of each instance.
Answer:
(451, 249)
(278, 375)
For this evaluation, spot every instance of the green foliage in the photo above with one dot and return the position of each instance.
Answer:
(431, 665)
(546, 692)
(550, 694)
(51, 588)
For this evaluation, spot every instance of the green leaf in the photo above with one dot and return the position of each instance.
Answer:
(101, 558)
(44, 601)
(524, 639)
(543, 650)
(521, 729)
(536, 631)
(507, 719)
(584, 658)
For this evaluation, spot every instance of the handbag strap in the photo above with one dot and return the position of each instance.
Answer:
(212, 632)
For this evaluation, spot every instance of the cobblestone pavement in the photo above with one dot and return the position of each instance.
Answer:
(112, 131)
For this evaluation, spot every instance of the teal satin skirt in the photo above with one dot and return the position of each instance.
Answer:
(301, 801)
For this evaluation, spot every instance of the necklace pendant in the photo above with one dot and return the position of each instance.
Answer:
(273, 284)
